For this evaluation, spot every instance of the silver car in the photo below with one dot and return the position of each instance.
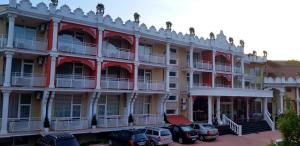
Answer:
(159, 136)
(206, 131)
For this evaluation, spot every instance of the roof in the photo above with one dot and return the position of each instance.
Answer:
(178, 120)
(288, 68)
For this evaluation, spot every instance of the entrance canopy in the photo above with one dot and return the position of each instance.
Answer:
(178, 120)
(231, 92)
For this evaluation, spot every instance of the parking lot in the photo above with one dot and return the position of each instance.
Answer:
(257, 139)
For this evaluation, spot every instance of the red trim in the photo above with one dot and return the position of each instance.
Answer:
(129, 38)
(50, 35)
(178, 120)
(225, 55)
(207, 78)
(67, 26)
(63, 59)
(129, 67)
(207, 56)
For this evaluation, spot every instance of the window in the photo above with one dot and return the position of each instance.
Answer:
(101, 106)
(76, 107)
(145, 75)
(67, 106)
(173, 51)
(156, 133)
(25, 106)
(149, 132)
(172, 97)
(113, 102)
(173, 56)
(145, 49)
(172, 74)
(170, 111)
(142, 105)
(172, 85)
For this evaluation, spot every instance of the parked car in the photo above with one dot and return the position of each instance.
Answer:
(159, 136)
(183, 133)
(278, 142)
(131, 137)
(59, 139)
(206, 131)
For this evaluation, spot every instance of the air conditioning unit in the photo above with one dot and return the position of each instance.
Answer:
(43, 27)
(183, 107)
(40, 60)
(38, 94)
(183, 100)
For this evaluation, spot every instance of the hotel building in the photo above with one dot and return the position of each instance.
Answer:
(68, 65)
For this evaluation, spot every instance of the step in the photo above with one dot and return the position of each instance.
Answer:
(254, 127)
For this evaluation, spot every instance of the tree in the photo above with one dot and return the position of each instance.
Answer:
(94, 121)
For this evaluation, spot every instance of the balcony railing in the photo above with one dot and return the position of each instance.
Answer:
(3, 40)
(77, 48)
(69, 124)
(118, 53)
(222, 86)
(201, 85)
(203, 65)
(27, 79)
(238, 85)
(116, 83)
(152, 58)
(145, 119)
(151, 85)
(112, 121)
(223, 67)
(237, 69)
(23, 124)
(73, 81)
(31, 44)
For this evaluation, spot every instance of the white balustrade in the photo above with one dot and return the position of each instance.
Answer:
(73, 81)
(3, 40)
(23, 124)
(203, 65)
(269, 120)
(77, 47)
(112, 121)
(27, 79)
(111, 51)
(69, 123)
(31, 44)
(223, 67)
(152, 58)
(237, 69)
(116, 83)
(237, 129)
(147, 119)
(151, 85)
(201, 85)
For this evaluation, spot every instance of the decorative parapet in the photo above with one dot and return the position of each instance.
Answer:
(78, 16)
(257, 59)
(282, 80)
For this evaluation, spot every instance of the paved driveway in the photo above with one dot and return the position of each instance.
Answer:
(259, 139)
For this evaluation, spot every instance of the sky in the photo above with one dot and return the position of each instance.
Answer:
(271, 25)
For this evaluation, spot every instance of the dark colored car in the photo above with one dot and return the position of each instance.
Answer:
(128, 138)
(183, 133)
(59, 139)
(206, 131)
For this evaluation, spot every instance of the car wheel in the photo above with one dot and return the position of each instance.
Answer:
(180, 140)
(201, 138)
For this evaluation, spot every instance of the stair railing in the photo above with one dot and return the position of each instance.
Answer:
(267, 117)
(237, 129)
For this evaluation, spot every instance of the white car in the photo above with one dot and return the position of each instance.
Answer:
(206, 131)
(159, 136)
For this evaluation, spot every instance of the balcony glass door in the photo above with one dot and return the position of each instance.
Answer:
(25, 106)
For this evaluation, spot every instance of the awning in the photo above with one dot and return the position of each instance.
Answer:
(178, 120)
(69, 26)
(124, 36)
(63, 59)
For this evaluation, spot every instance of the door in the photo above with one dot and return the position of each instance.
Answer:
(225, 109)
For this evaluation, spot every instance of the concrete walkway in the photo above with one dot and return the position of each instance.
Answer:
(257, 139)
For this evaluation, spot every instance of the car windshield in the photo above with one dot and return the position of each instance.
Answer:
(165, 133)
(67, 142)
(208, 126)
(139, 136)
(186, 128)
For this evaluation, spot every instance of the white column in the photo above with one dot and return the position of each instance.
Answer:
(100, 37)
(191, 81)
(297, 100)
(11, 29)
(8, 65)
(214, 69)
(191, 57)
(95, 103)
(98, 76)
(167, 69)
(209, 102)
(247, 108)
(50, 105)
(232, 70)
(136, 71)
(168, 54)
(243, 72)
(43, 107)
(5, 109)
(52, 70)
(137, 43)
(218, 109)
(91, 99)
(190, 113)
(232, 110)
(281, 102)
(55, 33)
(265, 100)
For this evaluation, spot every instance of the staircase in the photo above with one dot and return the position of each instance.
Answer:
(254, 126)
(224, 130)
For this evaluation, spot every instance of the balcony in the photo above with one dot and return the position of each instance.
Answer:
(201, 85)
(146, 119)
(222, 86)
(38, 44)
(27, 79)
(81, 48)
(152, 58)
(237, 69)
(151, 85)
(112, 121)
(3, 40)
(223, 67)
(203, 65)
(73, 81)
(23, 124)
(116, 83)
(117, 53)
(69, 124)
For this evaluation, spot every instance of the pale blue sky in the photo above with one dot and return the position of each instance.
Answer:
(271, 25)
